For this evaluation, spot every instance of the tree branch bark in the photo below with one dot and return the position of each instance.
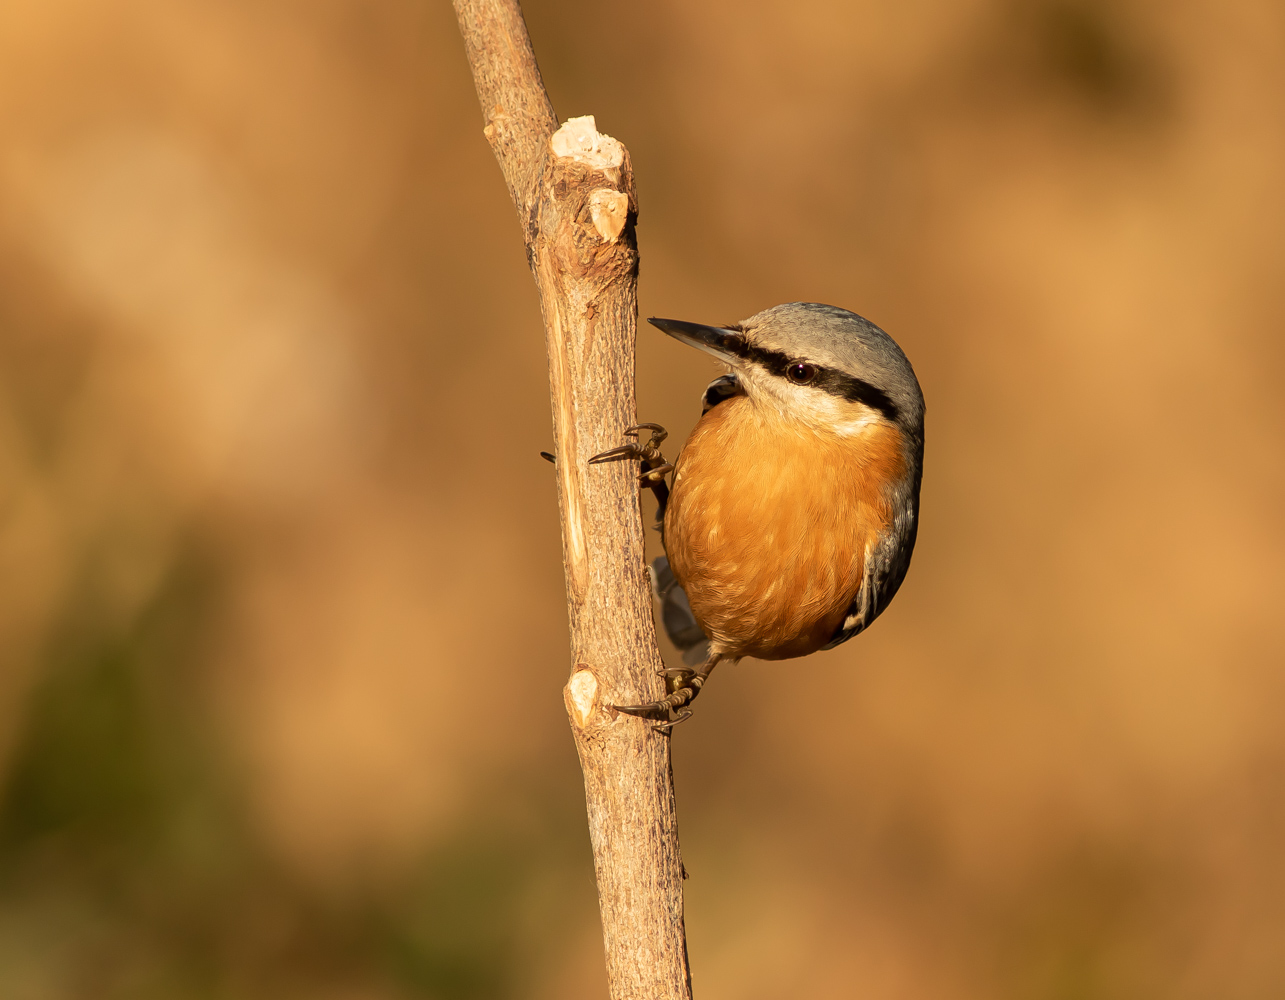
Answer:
(574, 194)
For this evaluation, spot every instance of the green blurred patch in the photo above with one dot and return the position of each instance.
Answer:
(127, 867)
(1091, 927)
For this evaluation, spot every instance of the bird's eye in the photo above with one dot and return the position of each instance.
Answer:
(801, 374)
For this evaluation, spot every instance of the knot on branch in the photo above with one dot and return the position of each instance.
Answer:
(590, 207)
(581, 694)
(610, 211)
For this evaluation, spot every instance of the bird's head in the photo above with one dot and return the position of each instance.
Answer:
(818, 364)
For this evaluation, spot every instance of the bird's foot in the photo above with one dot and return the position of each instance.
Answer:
(654, 467)
(647, 452)
(683, 685)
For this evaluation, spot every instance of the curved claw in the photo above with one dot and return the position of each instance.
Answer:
(658, 433)
(657, 712)
(654, 467)
(624, 451)
(664, 727)
(649, 452)
(683, 685)
(648, 711)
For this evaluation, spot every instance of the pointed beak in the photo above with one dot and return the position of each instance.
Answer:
(726, 345)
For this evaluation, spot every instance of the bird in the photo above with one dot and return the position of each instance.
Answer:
(793, 509)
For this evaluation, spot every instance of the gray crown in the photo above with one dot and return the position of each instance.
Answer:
(836, 338)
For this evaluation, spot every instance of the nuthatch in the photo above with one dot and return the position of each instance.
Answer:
(795, 501)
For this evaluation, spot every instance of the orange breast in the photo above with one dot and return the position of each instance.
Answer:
(769, 522)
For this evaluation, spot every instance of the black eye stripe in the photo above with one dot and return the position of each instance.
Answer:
(839, 384)
(836, 383)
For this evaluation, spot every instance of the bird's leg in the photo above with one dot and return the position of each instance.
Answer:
(683, 686)
(654, 467)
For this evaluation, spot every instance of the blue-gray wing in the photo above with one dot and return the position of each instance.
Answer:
(676, 615)
(885, 568)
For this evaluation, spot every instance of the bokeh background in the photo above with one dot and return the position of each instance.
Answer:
(282, 633)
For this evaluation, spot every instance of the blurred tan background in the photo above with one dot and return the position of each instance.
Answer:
(281, 622)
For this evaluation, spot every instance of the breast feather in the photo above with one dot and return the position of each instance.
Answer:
(745, 476)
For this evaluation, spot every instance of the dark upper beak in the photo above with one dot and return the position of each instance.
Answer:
(726, 345)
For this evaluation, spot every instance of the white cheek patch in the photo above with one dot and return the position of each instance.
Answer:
(857, 424)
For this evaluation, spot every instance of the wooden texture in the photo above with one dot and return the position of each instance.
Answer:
(574, 194)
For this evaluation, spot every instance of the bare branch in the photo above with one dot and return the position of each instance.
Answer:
(574, 193)
(518, 116)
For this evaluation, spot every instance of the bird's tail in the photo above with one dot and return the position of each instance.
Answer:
(676, 615)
